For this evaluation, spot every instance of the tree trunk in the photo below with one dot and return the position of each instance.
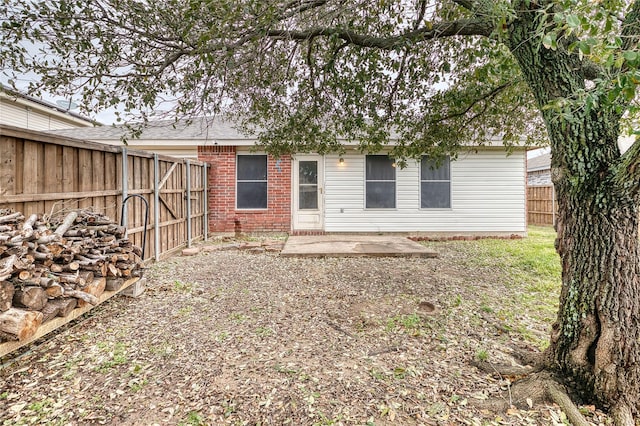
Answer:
(595, 343)
(595, 340)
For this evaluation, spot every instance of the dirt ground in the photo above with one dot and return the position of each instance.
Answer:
(233, 337)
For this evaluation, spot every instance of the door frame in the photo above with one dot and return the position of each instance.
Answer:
(296, 213)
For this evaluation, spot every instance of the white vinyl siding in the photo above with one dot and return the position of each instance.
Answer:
(487, 196)
(35, 117)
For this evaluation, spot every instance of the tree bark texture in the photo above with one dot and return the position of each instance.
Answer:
(595, 341)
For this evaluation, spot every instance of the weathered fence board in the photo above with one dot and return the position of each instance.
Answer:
(541, 205)
(41, 173)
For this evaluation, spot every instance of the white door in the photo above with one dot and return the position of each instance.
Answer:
(308, 197)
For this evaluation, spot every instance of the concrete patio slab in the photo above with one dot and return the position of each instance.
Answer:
(354, 245)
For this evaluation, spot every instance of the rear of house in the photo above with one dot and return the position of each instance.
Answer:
(480, 193)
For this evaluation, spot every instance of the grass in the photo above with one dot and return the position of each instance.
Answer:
(193, 418)
(117, 356)
(533, 269)
(528, 268)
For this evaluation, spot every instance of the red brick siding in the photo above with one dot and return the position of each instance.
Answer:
(223, 215)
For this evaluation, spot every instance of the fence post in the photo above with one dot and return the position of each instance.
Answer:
(125, 188)
(188, 163)
(205, 210)
(156, 209)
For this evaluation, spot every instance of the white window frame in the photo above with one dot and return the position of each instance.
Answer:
(395, 184)
(446, 160)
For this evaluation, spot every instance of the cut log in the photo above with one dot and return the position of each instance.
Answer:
(37, 255)
(72, 279)
(114, 284)
(6, 295)
(27, 229)
(54, 248)
(49, 312)
(20, 323)
(65, 306)
(94, 288)
(48, 239)
(113, 271)
(6, 266)
(82, 296)
(87, 276)
(46, 282)
(13, 217)
(24, 275)
(67, 267)
(85, 261)
(54, 291)
(33, 298)
(66, 224)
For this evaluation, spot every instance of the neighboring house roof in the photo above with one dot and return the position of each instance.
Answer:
(177, 138)
(200, 129)
(541, 162)
(14, 104)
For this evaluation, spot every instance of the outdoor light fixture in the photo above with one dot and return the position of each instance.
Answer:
(341, 161)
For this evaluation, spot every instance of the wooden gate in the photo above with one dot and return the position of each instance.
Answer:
(41, 173)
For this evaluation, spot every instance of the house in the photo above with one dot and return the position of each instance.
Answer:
(482, 192)
(539, 170)
(27, 112)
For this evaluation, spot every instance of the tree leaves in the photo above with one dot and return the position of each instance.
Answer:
(205, 57)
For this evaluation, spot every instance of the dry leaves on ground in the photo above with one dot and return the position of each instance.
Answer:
(232, 337)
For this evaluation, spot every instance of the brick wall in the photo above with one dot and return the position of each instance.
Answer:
(223, 216)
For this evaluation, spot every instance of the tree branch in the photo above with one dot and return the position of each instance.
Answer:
(631, 27)
(626, 174)
(591, 71)
(467, 27)
(467, 4)
(487, 96)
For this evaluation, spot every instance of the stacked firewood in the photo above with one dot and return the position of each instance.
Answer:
(50, 267)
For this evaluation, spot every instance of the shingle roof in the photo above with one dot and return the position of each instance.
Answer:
(205, 129)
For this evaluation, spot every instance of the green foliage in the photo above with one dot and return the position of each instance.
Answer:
(367, 75)
(314, 74)
(182, 287)
(194, 418)
(116, 355)
(482, 355)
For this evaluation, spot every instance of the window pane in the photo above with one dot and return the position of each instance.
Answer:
(252, 195)
(308, 172)
(252, 167)
(381, 195)
(435, 195)
(429, 172)
(380, 167)
(308, 197)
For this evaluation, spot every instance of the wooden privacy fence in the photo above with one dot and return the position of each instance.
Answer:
(541, 205)
(41, 173)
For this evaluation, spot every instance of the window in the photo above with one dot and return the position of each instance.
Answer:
(380, 182)
(251, 177)
(435, 184)
(308, 186)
